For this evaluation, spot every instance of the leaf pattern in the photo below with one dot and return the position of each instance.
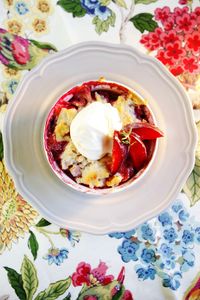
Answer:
(1, 146)
(72, 6)
(29, 278)
(43, 223)
(16, 282)
(144, 21)
(145, 1)
(54, 290)
(121, 3)
(192, 186)
(33, 244)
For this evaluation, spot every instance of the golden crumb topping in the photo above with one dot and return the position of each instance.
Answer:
(114, 181)
(69, 156)
(136, 99)
(125, 109)
(94, 175)
(63, 123)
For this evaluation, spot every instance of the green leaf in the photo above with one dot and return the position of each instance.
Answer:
(42, 45)
(120, 3)
(192, 186)
(1, 146)
(145, 1)
(105, 2)
(73, 6)
(144, 22)
(103, 26)
(43, 223)
(15, 280)
(54, 290)
(68, 297)
(33, 244)
(29, 278)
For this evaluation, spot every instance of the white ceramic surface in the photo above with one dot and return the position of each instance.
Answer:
(23, 138)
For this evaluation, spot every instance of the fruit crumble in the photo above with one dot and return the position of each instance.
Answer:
(100, 134)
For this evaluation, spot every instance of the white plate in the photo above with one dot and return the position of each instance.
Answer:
(23, 131)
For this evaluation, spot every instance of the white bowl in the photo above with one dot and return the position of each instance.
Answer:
(23, 138)
(82, 188)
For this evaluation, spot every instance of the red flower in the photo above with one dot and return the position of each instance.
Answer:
(169, 24)
(82, 274)
(20, 50)
(182, 2)
(152, 40)
(178, 12)
(176, 71)
(190, 64)
(145, 40)
(197, 11)
(174, 51)
(127, 295)
(90, 298)
(161, 56)
(193, 41)
(185, 23)
(169, 37)
(162, 14)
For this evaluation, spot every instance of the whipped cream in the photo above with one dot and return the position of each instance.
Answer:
(92, 129)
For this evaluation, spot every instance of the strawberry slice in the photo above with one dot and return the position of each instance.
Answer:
(137, 151)
(119, 152)
(146, 131)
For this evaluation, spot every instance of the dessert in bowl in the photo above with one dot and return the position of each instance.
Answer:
(100, 137)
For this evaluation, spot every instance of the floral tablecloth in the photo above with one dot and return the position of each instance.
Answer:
(158, 260)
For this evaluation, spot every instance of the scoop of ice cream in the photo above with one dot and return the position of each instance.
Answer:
(92, 129)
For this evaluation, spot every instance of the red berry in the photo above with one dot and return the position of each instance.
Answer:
(146, 131)
(119, 152)
(137, 152)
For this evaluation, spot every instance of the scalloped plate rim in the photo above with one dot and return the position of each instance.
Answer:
(38, 71)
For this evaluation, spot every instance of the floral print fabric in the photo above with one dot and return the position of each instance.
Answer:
(160, 258)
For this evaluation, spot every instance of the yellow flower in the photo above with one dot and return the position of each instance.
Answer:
(44, 6)
(14, 26)
(8, 2)
(11, 73)
(39, 26)
(16, 215)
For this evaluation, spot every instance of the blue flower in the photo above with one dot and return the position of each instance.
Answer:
(144, 274)
(147, 232)
(165, 250)
(21, 8)
(183, 215)
(172, 282)
(148, 255)
(56, 256)
(72, 235)
(197, 234)
(170, 235)
(188, 260)
(177, 206)
(12, 85)
(94, 7)
(165, 219)
(119, 235)
(188, 236)
(128, 250)
(170, 263)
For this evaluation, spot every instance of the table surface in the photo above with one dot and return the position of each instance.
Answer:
(158, 260)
